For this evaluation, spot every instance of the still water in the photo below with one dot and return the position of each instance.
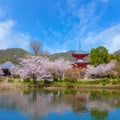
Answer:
(60, 105)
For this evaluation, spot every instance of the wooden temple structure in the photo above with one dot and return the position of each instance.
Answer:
(78, 64)
(79, 59)
(6, 66)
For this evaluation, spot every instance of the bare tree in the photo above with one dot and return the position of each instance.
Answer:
(36, 46)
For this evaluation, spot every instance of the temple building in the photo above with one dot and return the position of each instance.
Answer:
(78, 64)
(79, 59)
(5, 67)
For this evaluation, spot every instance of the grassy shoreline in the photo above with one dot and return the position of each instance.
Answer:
(80, 84)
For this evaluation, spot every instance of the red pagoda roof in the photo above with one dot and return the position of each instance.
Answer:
(80, 54)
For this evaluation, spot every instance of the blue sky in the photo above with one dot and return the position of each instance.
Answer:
(60, 24)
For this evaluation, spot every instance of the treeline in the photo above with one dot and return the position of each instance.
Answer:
(97, 55)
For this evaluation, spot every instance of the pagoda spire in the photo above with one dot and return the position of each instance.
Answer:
(79, 44)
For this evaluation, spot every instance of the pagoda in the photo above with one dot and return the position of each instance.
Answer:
(79, 58)
(78, 65)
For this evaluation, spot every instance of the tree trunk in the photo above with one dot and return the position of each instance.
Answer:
(60, 78)
(34, 79)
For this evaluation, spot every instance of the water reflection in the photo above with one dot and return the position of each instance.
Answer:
(39, 104)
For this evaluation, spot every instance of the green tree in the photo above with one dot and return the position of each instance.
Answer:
(115, 57)
(99, 55)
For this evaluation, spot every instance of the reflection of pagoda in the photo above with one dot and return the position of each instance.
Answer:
(79, 58)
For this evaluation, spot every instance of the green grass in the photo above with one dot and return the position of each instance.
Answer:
(80, 83)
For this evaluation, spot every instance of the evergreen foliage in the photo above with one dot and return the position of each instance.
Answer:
(99, 55)
(12, 55)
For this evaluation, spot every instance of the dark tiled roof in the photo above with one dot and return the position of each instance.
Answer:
(7, 65)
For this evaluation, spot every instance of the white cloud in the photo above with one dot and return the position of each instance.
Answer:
(9, 38)
(86, 22)
(110, 38)
(87, 28)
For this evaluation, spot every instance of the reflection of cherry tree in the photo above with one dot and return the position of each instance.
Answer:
(42, 105)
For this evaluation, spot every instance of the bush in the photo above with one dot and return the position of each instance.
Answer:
(88, 82)
(70, 85)
(118, 81)
(66, 80)
(97, 81)
(79, 82)
(1, 79)
(47, 81)
(55, 79)
(26, 79)
(105, 80)
(16, 76)
(114, 82)
(72, 80)
(104, 83)
(10, 80)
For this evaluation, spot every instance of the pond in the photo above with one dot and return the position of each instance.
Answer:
(60, 105)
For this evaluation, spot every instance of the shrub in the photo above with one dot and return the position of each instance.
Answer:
(26, 79)
(79, 82)
(118, 81)
(70, 85)
(47, 81)
(55, 79)
(1, 79)
(104, 83)
(97, 81)
(72, 80)
(114, 82)
(16, 76)
(10, 80)
(105, 80)
(66, 80)
(89, 82)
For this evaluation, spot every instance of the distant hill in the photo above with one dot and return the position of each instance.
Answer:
(117, 55)
(117, 52)
(12, 55)
(66, 55)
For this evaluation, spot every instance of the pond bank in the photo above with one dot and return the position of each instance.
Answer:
(20, 85)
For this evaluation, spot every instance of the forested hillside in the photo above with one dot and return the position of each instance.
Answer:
(12, 55)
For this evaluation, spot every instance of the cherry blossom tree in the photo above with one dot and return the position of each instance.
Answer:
(60, 66)
(35, 67)
(14, 71)
(100, 69)
(1, 73)
(40, 68)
